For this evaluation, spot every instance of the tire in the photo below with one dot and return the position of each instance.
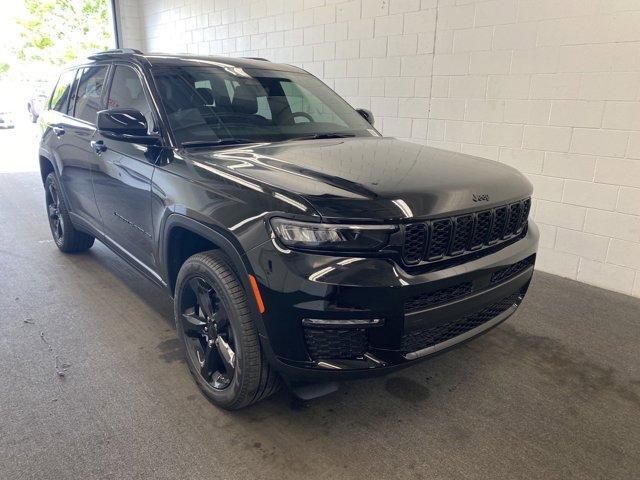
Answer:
(208, 279)
(66, 237)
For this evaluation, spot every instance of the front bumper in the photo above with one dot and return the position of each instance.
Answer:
(411, 316)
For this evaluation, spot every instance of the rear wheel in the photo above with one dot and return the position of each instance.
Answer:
(67, 238)
(218, 335)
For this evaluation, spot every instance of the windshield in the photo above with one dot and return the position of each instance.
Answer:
(218, 104)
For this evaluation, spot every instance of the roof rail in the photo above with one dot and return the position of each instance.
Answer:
(257, 58)
(117, 51)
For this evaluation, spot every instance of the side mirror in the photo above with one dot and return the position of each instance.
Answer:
(366, 114)
(126, 125)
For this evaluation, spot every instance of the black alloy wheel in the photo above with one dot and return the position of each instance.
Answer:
(65, 235)
(56, 220)
(218, 333)
(208, 333)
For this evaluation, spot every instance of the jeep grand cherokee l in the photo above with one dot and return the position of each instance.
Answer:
(298, 244)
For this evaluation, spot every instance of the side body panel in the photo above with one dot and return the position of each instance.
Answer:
(122, 184)
(77, 161)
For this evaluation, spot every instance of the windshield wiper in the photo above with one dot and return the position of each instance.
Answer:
(216, 143)
(318, 136)
(237, 141)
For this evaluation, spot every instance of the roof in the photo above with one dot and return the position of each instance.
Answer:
(167, 59)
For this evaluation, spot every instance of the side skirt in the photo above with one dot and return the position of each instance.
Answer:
(81, 224)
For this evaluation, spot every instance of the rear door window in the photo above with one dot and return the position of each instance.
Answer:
(62, 91)
(89, 93)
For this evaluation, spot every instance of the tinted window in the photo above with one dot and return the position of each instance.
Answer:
(220, 102)
(60, 96)
(127, 92)
(89, 94)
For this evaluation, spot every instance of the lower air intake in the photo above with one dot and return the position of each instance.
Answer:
(335, 343)
(507, 272)
(427, 337)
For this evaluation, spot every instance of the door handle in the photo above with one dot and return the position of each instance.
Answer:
(98, 146)
(58, 131)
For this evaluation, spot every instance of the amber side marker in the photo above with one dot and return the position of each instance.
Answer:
(256, 293)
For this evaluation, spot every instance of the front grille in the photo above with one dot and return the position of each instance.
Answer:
(427, 337)
(440, 238)
(526, 208)
(461, 234)
(335, 343)
(506, 272)
(436, 240)
(515, 209)
(426, 300)
(482, 229)
(499, 222)
(415, 237)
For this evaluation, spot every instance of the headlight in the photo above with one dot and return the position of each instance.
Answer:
(327, 236)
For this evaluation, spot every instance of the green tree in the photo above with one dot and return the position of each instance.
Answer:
(4, 69)
(58, 31)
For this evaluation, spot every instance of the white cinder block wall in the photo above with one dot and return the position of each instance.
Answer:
(551, 87)
(130, 31)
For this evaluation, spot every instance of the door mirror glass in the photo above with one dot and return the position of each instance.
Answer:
(366, 114)
(124, 124)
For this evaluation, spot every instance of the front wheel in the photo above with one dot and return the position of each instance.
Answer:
(67, 238)
(218, 335)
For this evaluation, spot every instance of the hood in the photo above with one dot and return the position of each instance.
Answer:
(373, 177)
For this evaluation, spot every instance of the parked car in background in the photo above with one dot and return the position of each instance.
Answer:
(296, 241)
(35, 105)
(6, 119)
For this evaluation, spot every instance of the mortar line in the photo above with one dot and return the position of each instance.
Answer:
(433, 60)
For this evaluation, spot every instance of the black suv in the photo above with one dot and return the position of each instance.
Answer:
(296, 241)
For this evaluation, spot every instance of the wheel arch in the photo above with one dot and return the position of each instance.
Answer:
(184, 236)
(46, 167)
